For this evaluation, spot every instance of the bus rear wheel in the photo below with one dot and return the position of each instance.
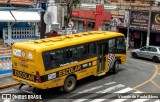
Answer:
(69, 84)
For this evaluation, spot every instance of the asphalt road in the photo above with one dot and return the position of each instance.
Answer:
(136, 77)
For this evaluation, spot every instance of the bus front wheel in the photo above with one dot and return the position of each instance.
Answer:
(116, 67)
(69, 84)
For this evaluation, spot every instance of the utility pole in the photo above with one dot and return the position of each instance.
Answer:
(149, 24)
(128, 29)
(43, 25)
(62, 16)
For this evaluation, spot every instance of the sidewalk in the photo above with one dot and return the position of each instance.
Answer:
(7, 81)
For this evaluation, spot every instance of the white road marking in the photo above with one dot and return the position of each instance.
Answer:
(98, 100)
(138, 92)
(91, 89)
(140, 100)
(85, 91)
(97, 87)
(111, 88)
(7, 90)
(124, 90)
(110, 83)
(7, 100)
(157, 101)
(102, 91)
(79, 100)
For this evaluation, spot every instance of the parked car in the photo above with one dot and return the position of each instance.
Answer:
(149, 52)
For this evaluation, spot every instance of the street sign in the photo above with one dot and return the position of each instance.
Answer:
(70, 24)
(48, 17)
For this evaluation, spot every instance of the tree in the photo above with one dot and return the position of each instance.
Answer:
(69, 4)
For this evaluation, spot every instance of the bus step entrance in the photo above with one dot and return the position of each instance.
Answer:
(101, 74)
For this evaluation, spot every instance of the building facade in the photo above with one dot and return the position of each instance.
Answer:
(137, 12)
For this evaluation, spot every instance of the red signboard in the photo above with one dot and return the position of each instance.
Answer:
(98, 13)
(75, 13)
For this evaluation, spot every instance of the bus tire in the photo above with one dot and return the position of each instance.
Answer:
(116, 67)
(69, 84)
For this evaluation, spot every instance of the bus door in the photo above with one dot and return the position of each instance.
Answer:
(101, 57)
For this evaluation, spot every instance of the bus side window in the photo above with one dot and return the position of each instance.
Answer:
(92, 50)
(120, 44)
(112, 46)
(86, 49)
(65, 56)
(77, 53)
(47, 60)
(54, 59)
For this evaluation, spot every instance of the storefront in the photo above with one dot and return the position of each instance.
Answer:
(155, 29)
(138, 29)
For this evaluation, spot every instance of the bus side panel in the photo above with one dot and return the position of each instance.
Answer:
(80, 75)
(81, 70)
(106, 63)
(86, 72)
(55, 82)
(122, 57)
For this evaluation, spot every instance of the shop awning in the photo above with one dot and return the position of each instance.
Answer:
(6, 16)
(26, 16)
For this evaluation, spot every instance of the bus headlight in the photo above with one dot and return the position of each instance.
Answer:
(30, 56)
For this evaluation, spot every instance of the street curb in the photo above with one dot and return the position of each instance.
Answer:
(9, 85)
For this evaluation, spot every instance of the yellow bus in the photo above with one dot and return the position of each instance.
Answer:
(61, 61)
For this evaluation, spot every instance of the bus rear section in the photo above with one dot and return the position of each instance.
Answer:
(25, 67)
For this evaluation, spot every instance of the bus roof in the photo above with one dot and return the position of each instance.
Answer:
(67, 40)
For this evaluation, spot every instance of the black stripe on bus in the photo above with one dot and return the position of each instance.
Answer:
(44, 78)
(68, 71)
